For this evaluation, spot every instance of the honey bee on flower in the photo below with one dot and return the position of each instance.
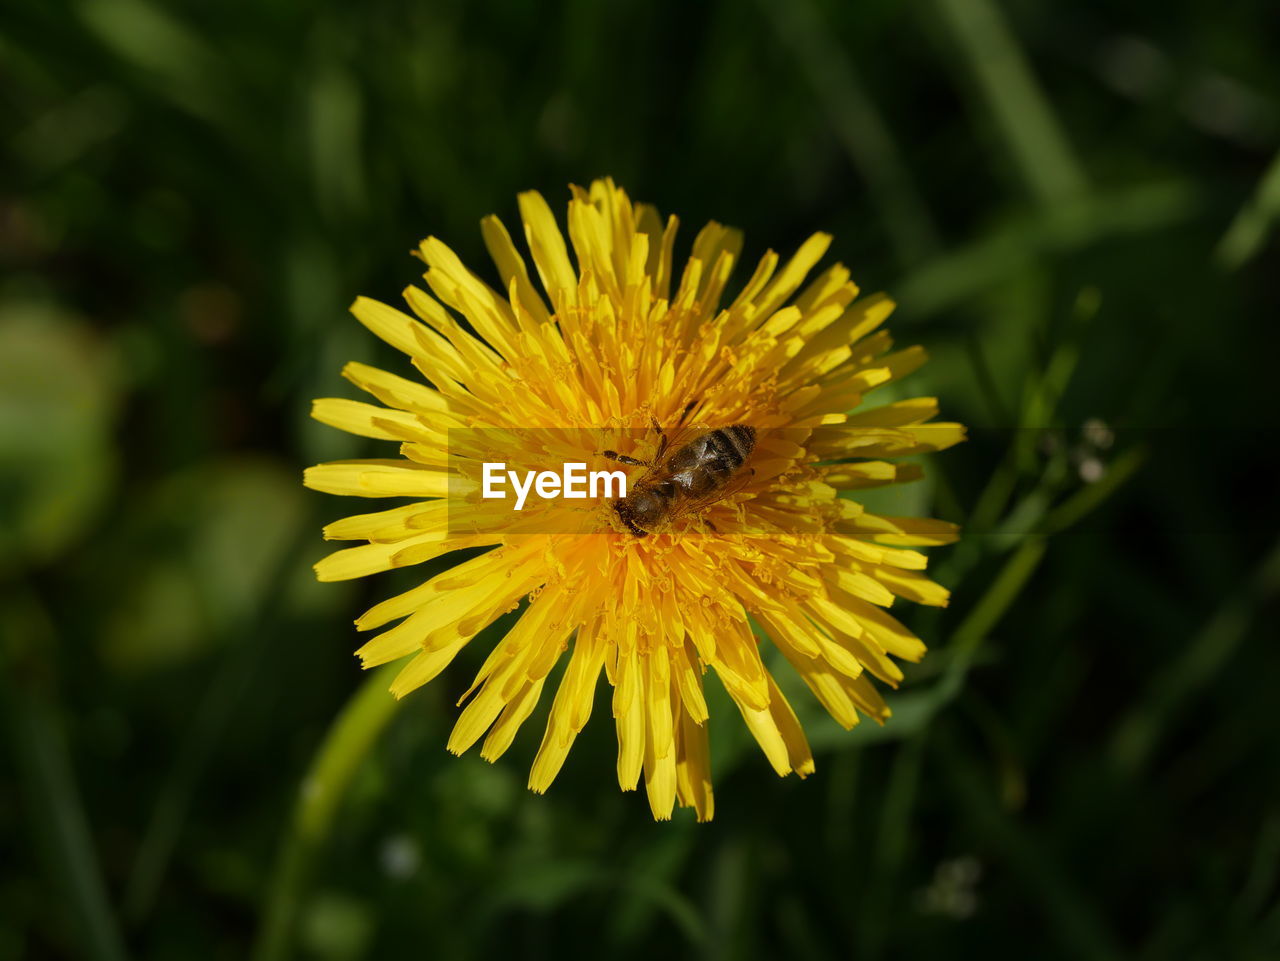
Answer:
(744, 425)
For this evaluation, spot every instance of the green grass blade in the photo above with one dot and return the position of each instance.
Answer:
(1003, 253)
(1021, 111)
(1248, 231)
(52, 796)
(857, 123)
(1066, 909)
(1138, 735)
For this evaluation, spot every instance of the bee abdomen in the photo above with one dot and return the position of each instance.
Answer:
(733, 444)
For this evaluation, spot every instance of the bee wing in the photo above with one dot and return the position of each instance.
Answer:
(696, 505)
(680, 435)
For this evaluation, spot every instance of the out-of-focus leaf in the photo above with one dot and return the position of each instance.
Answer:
(150, 38)
(216, 534)
(57, 403)
(1248, 231)
(545, 885)
(337, 927)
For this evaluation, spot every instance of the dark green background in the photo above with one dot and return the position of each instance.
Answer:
(1071, 202)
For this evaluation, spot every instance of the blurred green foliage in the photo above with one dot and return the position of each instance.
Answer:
(1073, 204)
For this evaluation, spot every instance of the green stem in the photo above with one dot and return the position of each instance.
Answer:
(1003, 591)
(1086, 500)
(325, 784)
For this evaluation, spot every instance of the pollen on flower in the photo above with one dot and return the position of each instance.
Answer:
(601, 341)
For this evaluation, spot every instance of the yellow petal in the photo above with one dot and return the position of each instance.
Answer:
(693, 768)
(779, 734)
(550, 255)
(376, 478)
(366, 420)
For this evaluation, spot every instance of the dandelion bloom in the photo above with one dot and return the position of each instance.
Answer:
(604, 350)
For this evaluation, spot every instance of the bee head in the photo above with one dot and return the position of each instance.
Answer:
(623, 510)
(642, 510)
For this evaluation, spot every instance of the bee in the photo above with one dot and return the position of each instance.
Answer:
(694, 476)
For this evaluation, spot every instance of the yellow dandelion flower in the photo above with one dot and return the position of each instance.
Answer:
(625, 353)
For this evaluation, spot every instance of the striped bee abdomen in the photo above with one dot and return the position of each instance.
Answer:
(734, 443)
(706, 462)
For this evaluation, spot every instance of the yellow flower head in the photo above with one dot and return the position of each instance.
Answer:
(626, 354)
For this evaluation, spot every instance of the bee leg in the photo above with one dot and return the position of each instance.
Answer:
(712, 524)
(662, 439)
(623, 458)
